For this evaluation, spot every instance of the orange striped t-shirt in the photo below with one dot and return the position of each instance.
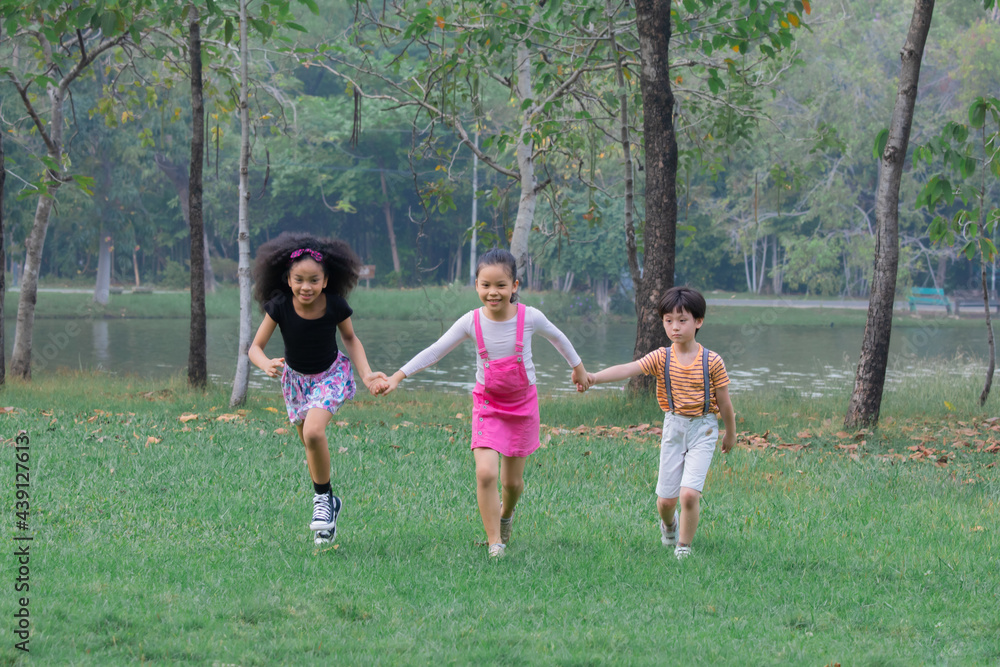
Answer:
(686, 382)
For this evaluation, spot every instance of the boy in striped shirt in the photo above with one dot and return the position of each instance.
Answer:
(692, 387)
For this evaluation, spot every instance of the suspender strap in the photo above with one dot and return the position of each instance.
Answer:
(666, 378)
(705, 376)
(518, 343)
(480, 343)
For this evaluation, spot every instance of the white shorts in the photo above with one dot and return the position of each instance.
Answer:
(686, 451)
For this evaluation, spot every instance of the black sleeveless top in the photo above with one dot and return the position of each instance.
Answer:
(310, 345)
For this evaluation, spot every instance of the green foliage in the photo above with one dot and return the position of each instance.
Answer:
(815, 265)
(962, 150)
(175, 276)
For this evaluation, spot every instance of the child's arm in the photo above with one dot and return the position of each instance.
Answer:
(429, 356)
(256, 351)
(375, 381)
(616, 373)
(728, 417)
(562, 343)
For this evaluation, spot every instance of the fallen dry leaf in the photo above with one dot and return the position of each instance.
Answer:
(342, 450)
(281, 431)
(342, 423)
(271, 409)
(151, 440)
(227, 418)
(186, 417)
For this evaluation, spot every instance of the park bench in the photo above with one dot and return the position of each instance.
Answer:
(974, 300)
(927, 296)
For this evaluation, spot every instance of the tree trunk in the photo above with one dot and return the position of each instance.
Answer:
(602, 291)
(3, 267)
(989, 330)
(653, 23)
(102, 288)
(197, 363)
(242, 378)
(20, 365)
(102, 285)
(210, 282)
(135, 264)
(746, 270)
(866, 400)
(387, 209)
(525, 162)
(475, 211)
(941, 268)
(633, 259)
(763, 267)
(775, 268)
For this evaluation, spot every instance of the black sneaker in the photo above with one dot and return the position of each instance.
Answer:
(326, 507)
(323, 536)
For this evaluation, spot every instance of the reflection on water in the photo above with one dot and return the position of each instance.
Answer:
(809, 359)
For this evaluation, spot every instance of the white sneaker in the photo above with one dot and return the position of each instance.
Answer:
(498, 550)
(668, 535)
(682, 552)
(323, 537)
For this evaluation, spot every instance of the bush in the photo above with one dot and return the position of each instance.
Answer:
(175, 275)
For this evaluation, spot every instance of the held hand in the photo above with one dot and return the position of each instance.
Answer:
(376, 382)
(728, 440)
(274, 366)
(581, 378)
(390, 385)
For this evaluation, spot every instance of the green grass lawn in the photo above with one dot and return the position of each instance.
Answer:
(167, 541)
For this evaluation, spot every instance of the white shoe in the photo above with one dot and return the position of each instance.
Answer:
(668, 535)
(682, 552)
(323, 537)
(498, 550)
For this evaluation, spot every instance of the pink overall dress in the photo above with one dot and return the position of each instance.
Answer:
(505, 407)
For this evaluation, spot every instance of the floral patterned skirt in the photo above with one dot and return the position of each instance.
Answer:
(327, 390)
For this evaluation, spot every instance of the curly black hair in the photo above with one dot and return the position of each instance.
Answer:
(270, 269)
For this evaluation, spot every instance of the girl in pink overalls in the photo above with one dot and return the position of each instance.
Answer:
(504, 401)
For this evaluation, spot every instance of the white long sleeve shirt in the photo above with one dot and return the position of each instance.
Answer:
(499, 338)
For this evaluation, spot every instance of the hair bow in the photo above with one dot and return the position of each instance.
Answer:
(312, 253)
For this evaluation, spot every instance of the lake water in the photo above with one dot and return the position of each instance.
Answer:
(809, 359)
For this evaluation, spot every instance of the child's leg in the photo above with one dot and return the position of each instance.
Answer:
(702, 437)
(690, 507)
(312, 432)
(512, 482)
(665, 508)
(487, 473)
